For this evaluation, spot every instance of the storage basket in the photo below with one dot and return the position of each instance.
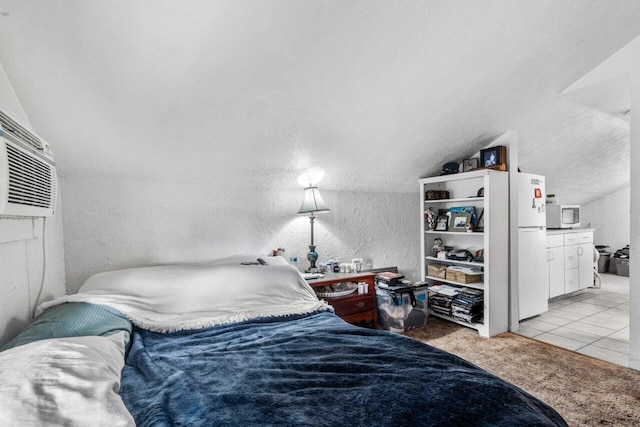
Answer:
(437, 270)
(396, 313)
(461, 277)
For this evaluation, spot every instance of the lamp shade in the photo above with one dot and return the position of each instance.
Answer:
(312, 201)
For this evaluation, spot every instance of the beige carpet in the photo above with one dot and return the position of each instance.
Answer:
(584, 390)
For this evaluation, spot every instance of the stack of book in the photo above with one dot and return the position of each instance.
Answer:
(388, 279)
(441, 298)
(467, 306)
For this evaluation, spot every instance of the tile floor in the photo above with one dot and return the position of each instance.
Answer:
(595, 322)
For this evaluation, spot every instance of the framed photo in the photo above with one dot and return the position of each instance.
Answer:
(469, 164)
(459, 221)
(494, 158)
(442, 223)
(466, 209)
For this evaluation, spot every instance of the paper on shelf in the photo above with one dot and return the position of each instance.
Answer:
(465, 270)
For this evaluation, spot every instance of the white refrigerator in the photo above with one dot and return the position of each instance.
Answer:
(533, 279)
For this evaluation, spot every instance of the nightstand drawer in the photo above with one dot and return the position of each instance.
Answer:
(366, 319)
(351, 305)
(357, 309)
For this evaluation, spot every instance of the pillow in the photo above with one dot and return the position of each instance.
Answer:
(74, 319)
(170, 298)
(64, 381)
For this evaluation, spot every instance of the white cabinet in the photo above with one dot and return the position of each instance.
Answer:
(463, 191)
(571, 283)
(555, 260)
(585, 265)
(570, 261)
(579, 246)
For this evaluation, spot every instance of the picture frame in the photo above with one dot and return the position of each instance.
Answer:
(466, 209)
(442, 223)
(469, 164)
(460, 221)
(494, 158)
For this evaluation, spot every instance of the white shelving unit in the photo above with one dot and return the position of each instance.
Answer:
(494, 239)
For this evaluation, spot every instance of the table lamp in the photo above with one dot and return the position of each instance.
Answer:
(312, 203)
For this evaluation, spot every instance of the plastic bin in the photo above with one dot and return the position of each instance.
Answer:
(603, 262)
(396, 313)
(622, 266)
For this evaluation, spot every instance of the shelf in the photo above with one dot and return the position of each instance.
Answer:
(459, 233)
(459, 322)
(466, 199)
(493, 239)
(461, 176)
(477, 285)
(453, 261)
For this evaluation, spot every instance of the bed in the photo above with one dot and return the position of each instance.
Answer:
(234, 342)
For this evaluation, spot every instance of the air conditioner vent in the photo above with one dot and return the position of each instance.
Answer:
(17, 130)
(28, 179)
(31, 182)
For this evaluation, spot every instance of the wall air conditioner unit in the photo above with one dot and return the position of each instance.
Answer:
(28, 180)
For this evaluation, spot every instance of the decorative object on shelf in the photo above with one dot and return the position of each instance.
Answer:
(459, 221)
(436, 194)
(438, 246)
(494, 158)
(430, 219)
(450, 168)
(312, 203)
(469, 164)
(480, 192)
(480, 222)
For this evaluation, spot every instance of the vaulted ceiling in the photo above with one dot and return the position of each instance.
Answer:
(377, 93)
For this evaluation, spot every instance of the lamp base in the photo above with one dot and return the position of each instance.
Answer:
(312, 256)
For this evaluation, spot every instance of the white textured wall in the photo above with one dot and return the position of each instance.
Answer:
(21, 265)
(21, 261)
(610, 216)
(111, 224)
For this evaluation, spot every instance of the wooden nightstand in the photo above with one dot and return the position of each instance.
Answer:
(358, 309)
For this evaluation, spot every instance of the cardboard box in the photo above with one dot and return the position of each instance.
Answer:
(460, 277)
(437, 270)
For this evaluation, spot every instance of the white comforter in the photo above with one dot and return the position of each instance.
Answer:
(63, 382)
(176, 297)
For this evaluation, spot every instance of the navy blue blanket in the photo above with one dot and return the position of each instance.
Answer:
(309, 371)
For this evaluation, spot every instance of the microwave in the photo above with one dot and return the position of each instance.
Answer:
(563, 216)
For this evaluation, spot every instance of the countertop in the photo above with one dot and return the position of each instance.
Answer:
(551, 231)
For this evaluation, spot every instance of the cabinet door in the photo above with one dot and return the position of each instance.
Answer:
(570, 257)
(585, 265)
(571, 282)
(555, 261)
